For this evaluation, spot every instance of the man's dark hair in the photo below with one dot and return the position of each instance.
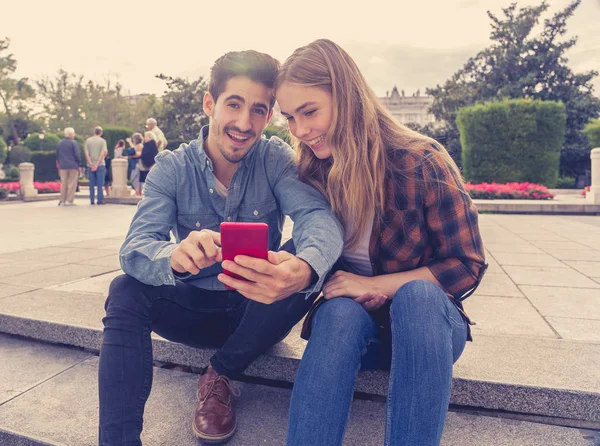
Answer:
(259, 67)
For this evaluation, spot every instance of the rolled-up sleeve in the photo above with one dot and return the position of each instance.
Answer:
(452, 220)
(146, 251)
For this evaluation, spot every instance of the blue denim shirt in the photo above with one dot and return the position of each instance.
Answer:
(180, 196)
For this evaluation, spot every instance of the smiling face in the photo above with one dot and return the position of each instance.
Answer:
(309, 112)
(237, 118)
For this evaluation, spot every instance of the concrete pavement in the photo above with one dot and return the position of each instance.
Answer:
(537, 343)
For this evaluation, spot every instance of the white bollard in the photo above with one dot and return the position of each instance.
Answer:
(119, 178)
(26, 178)
(593, 196)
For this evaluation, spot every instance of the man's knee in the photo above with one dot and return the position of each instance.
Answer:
(124, 289)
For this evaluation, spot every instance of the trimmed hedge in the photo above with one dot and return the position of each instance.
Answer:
(592, 131)
(18, 155)
(45, 166)
(112, 135)
(514, 140)
(175, 143)
(3, 151)
(34, 143)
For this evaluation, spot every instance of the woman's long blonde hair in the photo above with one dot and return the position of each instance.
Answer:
(362, 137)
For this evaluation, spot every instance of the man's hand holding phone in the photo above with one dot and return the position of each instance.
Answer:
(199, 250)
(256, 273)
(279, 276)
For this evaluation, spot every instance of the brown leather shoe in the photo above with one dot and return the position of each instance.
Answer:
(214, 421)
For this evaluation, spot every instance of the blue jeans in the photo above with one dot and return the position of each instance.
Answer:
(97, 179)
(243, 329)
(428, 334)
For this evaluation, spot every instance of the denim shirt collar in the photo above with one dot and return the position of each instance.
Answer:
(204, 159)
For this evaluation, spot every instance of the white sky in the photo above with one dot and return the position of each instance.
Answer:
(135, 40)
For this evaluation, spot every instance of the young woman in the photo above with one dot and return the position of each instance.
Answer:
(412, 253)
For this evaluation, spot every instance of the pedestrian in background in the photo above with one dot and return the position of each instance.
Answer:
(68, 159)
(95, 152)
(161, 141)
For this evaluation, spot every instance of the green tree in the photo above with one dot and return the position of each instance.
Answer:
(70, 101)
(592, 131)
(3, 152)
(14, 93)
(182, 115)
(523, 64)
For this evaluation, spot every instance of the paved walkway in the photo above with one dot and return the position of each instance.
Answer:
(537, 338)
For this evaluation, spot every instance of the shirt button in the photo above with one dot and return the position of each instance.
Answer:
(255, 212)
(211, 191)
(197, 224)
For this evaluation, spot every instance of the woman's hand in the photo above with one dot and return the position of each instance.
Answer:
(371, 301)
(345, 284)
(359, 288)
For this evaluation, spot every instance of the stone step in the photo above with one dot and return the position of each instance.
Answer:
(48, 396)
(546, 377)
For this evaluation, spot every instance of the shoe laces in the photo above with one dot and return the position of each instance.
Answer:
(217, 387)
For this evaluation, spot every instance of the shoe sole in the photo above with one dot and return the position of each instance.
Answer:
(213, 439)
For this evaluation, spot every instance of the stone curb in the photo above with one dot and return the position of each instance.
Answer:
(10, 438)
(277, 366)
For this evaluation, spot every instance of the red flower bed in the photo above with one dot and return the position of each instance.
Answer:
(521, 191)
(48, 187)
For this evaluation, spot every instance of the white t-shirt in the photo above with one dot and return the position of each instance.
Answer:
(221, 189)
(358, 258)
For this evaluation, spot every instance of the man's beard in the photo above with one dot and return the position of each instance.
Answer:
(232, 158)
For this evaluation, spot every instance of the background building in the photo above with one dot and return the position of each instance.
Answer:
(409, 109)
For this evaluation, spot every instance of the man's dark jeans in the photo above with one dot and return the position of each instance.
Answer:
(243, 329)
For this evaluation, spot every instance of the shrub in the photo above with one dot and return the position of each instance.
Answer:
(517, 140)
(3, 193)
(18, 155)
(592, 131)
(521, 191)
(273, 130)
(34, 143)
(112, 135)
(3, 151)
(45, 166)
(12, 173)
(11, 188)
(565, 183)
(175, 143)
(48, 187)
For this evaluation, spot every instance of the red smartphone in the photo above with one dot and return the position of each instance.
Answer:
(241, 238)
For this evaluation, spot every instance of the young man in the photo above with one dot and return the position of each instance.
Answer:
(177, 289)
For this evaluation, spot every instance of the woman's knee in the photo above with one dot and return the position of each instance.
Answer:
(418, 297)
(342, 317)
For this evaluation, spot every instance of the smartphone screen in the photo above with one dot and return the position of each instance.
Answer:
(242, 238)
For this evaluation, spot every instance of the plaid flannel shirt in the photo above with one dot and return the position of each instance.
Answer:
(430, 221)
